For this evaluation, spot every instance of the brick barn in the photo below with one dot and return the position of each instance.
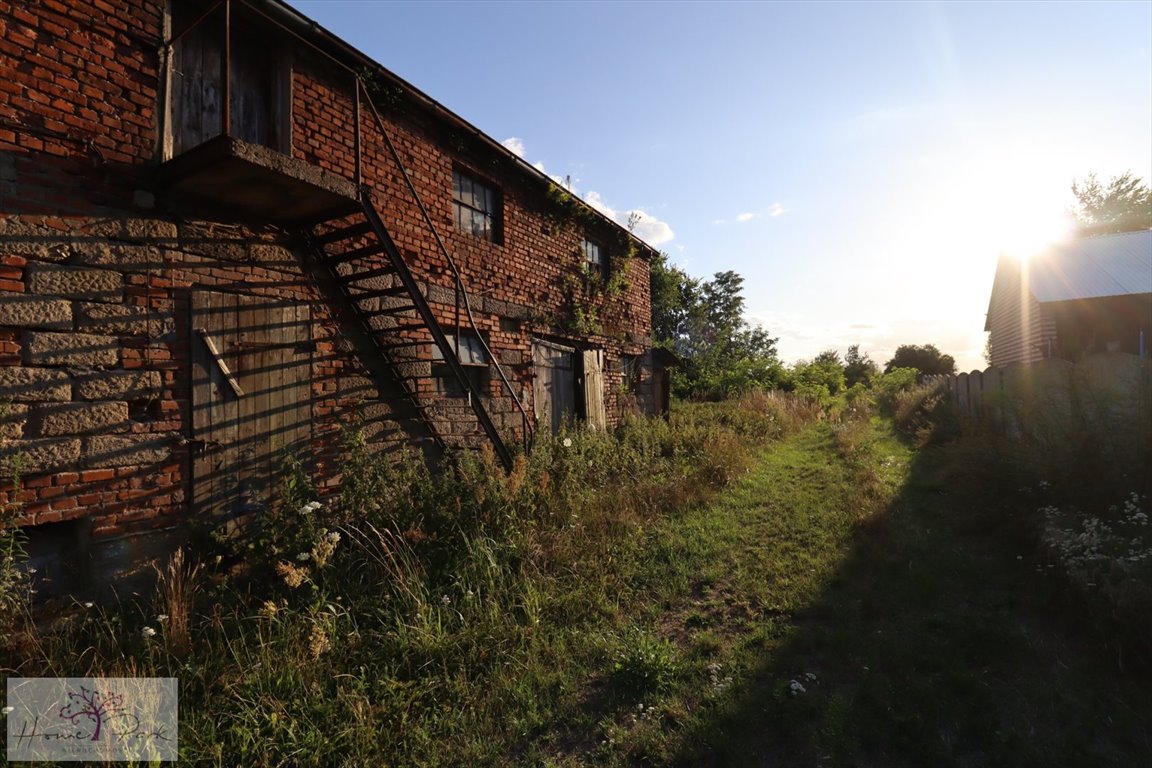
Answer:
(225, 234)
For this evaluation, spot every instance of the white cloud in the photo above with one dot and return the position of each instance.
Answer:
(514, 145)
(776, 210)
(647, 227)
(748, 216)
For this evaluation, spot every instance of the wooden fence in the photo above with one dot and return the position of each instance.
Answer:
(1103, 395)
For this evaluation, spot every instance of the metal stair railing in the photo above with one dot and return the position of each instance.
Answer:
(447, 350)
(461, 293)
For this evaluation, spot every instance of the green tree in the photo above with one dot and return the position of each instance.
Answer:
(858, 367)
(1123, 205)
(821, 378)
(703, 323)
(926, 359)
(673, 293)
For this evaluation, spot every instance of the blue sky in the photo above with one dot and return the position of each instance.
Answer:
(861, 164)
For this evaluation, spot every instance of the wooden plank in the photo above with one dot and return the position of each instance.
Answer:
(214, 408)
(281, 335)
(594, 388)
(301, 383)
(541, 386)
(219, 360)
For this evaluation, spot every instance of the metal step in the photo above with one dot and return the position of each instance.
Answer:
(389, 270)
(386, 311)
(380, 293)
(344, 233)
(403, 344)
(355, 253)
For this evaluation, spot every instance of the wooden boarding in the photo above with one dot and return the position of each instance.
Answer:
(251, 401)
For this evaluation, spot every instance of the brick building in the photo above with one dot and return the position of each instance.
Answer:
(225, 234)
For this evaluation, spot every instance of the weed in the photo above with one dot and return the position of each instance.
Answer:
(644, 664)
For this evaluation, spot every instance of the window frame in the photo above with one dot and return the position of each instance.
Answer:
(474, 360)
(488, 207)
(598, 266)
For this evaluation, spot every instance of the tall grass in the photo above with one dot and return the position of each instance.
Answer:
(1076, 477)
(413, 610)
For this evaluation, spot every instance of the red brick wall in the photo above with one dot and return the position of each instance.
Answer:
(79, 138)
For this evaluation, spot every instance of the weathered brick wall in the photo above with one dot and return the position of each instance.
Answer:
(77, 101)
(96, 275)
(520, 286)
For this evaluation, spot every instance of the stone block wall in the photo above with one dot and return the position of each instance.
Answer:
(95, 426)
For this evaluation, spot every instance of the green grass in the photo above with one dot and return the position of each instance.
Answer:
(844, 600)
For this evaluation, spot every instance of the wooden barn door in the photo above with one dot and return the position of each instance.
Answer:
(554, 387)
(593, 372)
(251, 401)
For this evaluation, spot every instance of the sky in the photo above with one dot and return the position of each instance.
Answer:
(861, 165)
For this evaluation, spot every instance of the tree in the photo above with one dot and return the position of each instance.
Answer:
(703, 323)
(672, 292)
(1123, 205)
(858, 368)
(821, 378)
(926, 359)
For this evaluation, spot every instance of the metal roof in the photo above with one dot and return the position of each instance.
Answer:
(1092, 267)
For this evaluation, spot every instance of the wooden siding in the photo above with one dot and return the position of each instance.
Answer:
(1021, 331)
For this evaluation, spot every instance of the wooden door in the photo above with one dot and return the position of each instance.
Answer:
(258, 83)
(251, 401)
(554, 385)
(594, 412)
(197, 89)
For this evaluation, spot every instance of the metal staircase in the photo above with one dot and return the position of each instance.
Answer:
(379, 305)
(387, 319)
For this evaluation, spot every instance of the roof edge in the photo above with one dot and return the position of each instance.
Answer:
(308, 27)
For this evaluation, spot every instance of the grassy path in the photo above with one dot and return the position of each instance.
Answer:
(849, 603)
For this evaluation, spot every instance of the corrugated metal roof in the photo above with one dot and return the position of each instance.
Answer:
(1091, 267)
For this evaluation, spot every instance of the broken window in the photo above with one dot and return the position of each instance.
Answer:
(631, 370)
(476, 207)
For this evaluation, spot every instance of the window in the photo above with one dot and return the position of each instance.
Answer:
(476, 207)
(472, 358)
(631, 372)
(594, 259)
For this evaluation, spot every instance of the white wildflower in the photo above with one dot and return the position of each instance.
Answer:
(567, 442)
(334, 537)
(89, 604)
(162, 617)
(148, 632)
(8, 710)
(795, 687)
(303, 556)
(311, 506)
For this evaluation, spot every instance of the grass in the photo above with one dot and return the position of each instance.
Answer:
(933, 640)
(743, 586)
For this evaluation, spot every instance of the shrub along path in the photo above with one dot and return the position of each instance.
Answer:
(851, 602)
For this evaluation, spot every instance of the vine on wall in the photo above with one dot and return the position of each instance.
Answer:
(589, 292)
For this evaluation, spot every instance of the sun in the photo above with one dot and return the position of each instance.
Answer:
(1026, 232)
